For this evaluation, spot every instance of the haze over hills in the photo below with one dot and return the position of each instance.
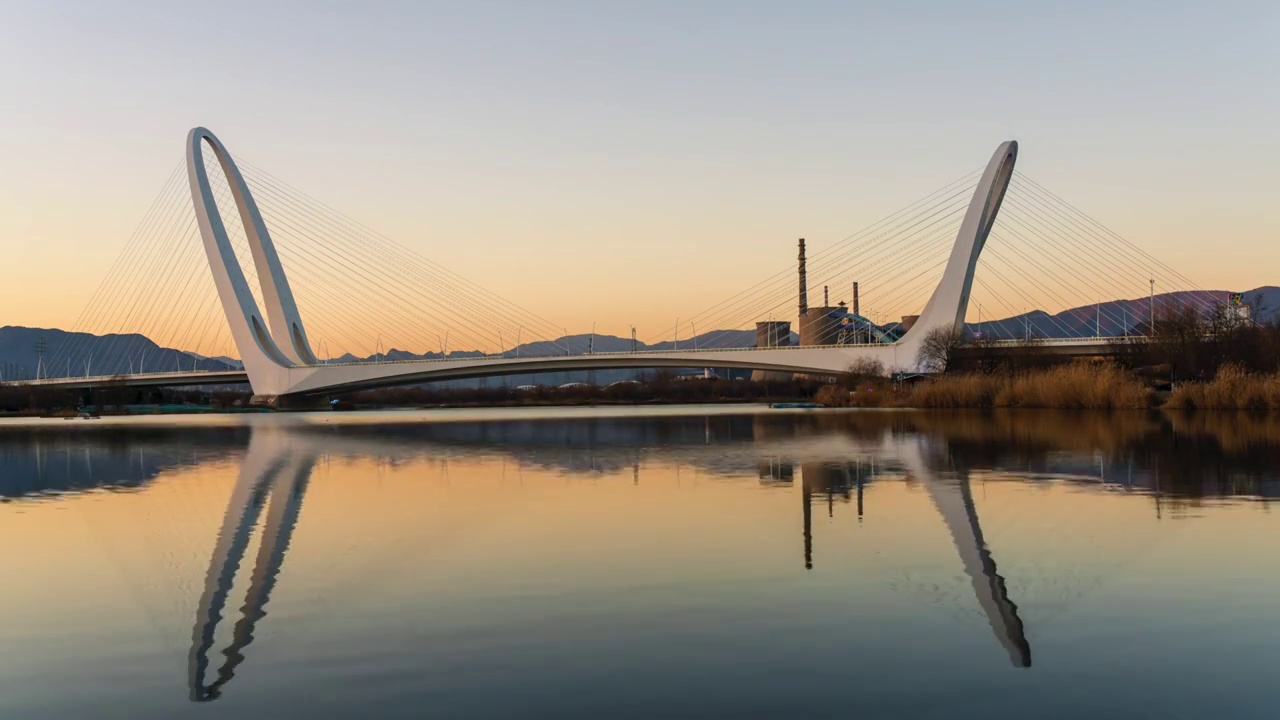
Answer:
(83, 353)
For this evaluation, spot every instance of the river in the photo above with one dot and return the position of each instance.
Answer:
(710, 561)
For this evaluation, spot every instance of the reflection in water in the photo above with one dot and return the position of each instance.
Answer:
(272, 470)
(278, 464)
(1177, 461)
(954, 502)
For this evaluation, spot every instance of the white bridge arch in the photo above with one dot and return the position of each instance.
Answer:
(280, 365)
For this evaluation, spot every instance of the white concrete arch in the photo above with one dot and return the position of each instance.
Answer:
(263, 351)
(279, 370)
(950, 300)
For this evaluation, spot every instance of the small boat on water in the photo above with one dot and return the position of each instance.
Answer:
(795, 405)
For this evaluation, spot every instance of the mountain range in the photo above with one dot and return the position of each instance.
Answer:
(82, 353)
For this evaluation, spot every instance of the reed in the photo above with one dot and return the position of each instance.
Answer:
(957, 391)
(1233, 388)
(1079, 386)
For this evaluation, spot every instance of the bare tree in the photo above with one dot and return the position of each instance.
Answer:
(939, 349)
(863, 372)
(867, 368)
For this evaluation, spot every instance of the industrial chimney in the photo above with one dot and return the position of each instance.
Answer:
(804, 286)
(856, 310)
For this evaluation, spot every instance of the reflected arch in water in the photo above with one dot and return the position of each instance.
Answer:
(277, 467)
(954, 501)
(273, 475)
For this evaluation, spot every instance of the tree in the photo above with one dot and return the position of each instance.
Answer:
(938, 349)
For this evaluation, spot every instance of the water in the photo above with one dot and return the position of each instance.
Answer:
(686, 562)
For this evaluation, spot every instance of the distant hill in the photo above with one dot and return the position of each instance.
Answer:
(1120, 317)
(102, 354)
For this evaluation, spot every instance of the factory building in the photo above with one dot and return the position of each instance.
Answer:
(772, 333)
(825, 324)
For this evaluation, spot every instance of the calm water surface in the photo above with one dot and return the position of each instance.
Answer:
(676, 562)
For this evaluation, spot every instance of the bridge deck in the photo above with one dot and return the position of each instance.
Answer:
(511, 364)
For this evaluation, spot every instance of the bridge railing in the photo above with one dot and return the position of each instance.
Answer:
(232, 375)
(1083, 341)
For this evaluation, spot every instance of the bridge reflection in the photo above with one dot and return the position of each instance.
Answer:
(278, 464)
(275, 476)
(833, 458)
(953, 500)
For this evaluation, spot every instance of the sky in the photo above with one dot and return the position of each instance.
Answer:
(626, 163)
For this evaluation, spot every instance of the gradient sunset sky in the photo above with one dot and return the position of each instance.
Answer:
(581, 157)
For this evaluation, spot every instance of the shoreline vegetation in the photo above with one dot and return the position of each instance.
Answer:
(1183, 360)
(1077, 386)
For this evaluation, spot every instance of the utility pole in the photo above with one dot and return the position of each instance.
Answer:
(694, 329)
(1098, 331)
(677, 344)
(591, 344)
(633, 338)
(39, 355)
(518, 329)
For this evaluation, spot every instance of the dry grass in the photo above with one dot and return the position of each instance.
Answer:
(1233, 388)
(1079, 386)
(958, 391)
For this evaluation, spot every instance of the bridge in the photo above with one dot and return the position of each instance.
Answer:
(948, 230)
(496, 367)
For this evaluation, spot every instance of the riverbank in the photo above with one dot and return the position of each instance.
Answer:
(1078, 386)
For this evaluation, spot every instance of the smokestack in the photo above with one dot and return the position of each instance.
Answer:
(855, 299)
(804, 283)
(826, 297)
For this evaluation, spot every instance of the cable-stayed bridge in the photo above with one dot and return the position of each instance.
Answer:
(932, 264)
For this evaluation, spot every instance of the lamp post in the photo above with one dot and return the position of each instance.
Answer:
(1152, 330)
